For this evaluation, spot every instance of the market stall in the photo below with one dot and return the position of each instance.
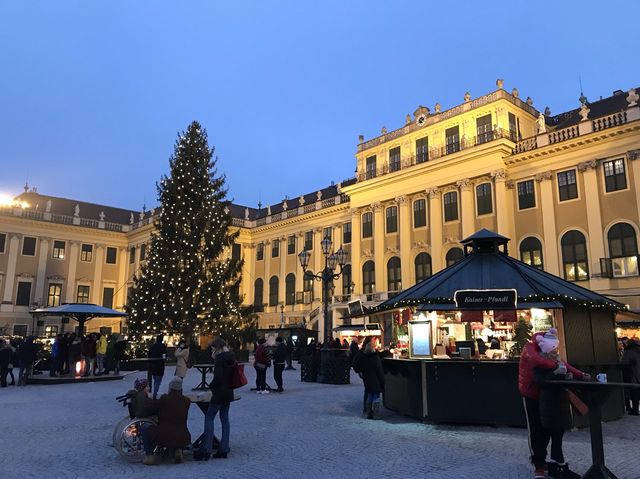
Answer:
(467, 325)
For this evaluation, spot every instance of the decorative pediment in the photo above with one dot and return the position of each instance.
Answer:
(392, 250)
(367, 253)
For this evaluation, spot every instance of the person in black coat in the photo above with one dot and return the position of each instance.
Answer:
(370, 367)
(158, 353)
(632, 374)
(279, 358)
(26, 356)
(290, 348)
(5, 360)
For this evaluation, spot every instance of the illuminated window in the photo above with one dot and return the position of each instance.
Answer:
(574, 256)
(53, 296)
(623, 249)
(423, 266)
(86, 253)
(83, 294)
(531, 252)
(58, 249)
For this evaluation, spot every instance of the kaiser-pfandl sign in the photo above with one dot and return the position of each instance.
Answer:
(485, 299)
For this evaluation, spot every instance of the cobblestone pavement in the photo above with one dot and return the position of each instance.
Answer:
(311, 430)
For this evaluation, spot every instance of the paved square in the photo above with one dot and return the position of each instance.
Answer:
(311, 430)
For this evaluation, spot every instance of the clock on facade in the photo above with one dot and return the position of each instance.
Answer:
(421, 119)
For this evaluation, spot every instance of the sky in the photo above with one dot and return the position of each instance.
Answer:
(94, 94)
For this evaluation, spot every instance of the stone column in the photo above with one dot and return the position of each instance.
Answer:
(10, 277)
(249, 272)
(356, 239)
(504, 208)
(594, 223)
(378, 246)
(70, 293)
(549, 226)
(435, 228)
(634, 156)
(41, 274)
(467, 207)
(121, 292)
(405, 220)
(98, 262)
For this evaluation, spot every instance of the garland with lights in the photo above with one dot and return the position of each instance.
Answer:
(190, 283)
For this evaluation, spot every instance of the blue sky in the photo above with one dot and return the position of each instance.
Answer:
(94, 93)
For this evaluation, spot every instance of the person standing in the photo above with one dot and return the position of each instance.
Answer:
(5, 360)
(89, 353)
(279, 358)
(632, 375)
(261, 363)
(101, 351)
(63, 356)
(26, 357)
(157, 354)
(373, 379)
(119, 350)
(182, 355)
(221, 398)
(54, 360)
(75, 355)
(290, 347)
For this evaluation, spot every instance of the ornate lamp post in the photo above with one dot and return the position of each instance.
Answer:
(327, 275)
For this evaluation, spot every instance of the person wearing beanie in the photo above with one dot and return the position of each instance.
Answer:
(544, 407)
(144, 406)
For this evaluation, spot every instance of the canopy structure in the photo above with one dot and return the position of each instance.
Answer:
(81, 312)
(487, 266)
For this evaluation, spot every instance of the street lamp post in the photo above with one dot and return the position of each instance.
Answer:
(282, 315)
(327, 275)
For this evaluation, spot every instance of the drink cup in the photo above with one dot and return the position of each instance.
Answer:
(601, 378)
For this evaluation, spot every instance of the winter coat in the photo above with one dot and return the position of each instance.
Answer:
(261, 358)
(555, 408)
(222, 383)
(531, 359)
(5, 356)
(157, 351)
(173, 411)
(75, 351)
(101, 346)
(119, 348)
(181, 355)
(280, 355)
(89, 347)
(372, 375)
(144, 405)
(632, 354)
(27, 353)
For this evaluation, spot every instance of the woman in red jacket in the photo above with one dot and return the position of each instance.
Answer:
(261, 363)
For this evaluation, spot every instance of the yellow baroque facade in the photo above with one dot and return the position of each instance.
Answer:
(564, 188)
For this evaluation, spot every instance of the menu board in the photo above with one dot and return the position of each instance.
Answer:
(420, 339)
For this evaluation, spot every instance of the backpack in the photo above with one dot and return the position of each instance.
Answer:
(238, 379)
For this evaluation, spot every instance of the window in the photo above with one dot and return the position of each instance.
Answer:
(23, 296)
(422, 150)
(327, 232)
(132, 255)
(346, 233)
(526, 195)
(567, 185)
(3, 242)
(53, 296)
(58, 249)
(275, 248)
(394, 159)
(370, 167)
(107, 297)
(112, 255)
(423, 266)
(574, 256)
(367, 224)
(614, 176)
(260, 251)
(307, 281)
(483, 199)
(86, 253)
(452, 139)
(291, 244)
(531, 252)
(143, 251)
(236, 251)
(392, 219)
(514, 134)
(290, 289)
(394, 278)
(623, 249)
(453, 256)
(308, 241)
(483, 129)
(28, 246)
(83, 294)
(451, 206)
(258, 303)
(20, 330)
(346, 280)
(419, 213)
(50, 330)
(273, 291)
(369, 277)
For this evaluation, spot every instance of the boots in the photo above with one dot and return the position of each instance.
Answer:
(177, 456)
(376, 410)
(561, 471)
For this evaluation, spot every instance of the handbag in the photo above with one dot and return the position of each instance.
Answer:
(238, 379)
(578, 404)
(189, 362)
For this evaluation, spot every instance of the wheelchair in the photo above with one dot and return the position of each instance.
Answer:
(127, 435)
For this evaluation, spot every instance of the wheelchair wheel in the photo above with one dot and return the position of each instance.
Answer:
(119, 428)
(128, 440)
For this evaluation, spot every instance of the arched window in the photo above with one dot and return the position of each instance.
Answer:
(346, 279)
(273, 291)
(423, 266)
(453, 256)
(623, 249)
(258, 300)
(394, 278)
(574, 256)
(531, 252)
(290, 289)
(368, 277)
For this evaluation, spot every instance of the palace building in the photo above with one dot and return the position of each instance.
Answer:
(565, 188)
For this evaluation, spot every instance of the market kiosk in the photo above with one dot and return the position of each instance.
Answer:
(451, 373)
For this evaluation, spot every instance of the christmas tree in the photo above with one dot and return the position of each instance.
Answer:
(190, 282)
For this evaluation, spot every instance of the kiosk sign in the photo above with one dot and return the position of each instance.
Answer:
(486, 299)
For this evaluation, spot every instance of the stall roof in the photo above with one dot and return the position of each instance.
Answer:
(487, 265)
